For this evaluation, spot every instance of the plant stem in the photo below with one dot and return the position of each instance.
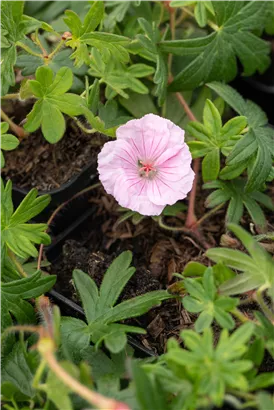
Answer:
(239, 315)
(86, 130)
(57, 210)
(14, 96)
(29, 50)
(260, 300)
(18, 131)
(207, 215)
(57, 48)
(39, 373)
(191, 216)
(172, 30)
(94, 398)
(17, 264)
(163, 225)
(186, 107)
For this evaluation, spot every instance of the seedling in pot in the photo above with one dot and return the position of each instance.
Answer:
(102, 311)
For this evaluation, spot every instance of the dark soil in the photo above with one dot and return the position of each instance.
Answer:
(157, 254)
(38, 164)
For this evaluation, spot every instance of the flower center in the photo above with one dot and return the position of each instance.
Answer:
(146, 169)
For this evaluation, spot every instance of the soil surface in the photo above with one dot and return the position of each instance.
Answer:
(157, 254)
(38, 164)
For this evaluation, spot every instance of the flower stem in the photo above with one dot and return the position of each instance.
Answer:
(94, 398)
(260, 300)
(18, 265)
(191, 218)
(163, 225)
(18, 131)
(186, 107)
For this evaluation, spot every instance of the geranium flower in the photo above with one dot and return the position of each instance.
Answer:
(148, 166)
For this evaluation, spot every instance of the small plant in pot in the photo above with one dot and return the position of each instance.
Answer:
(171, 255)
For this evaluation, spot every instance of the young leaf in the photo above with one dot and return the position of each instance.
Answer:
(216, 368)
(8, 141)
(53, 101)
(213, 138)
(257, 141)
(99, 306)
(17, 235)
(258, 269)
(13, 295)
(233, 33)
(204, 298)
(233, 191)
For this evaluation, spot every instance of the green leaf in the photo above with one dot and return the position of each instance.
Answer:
(114, 281)
(56, 390)
(204, 298)
(13, 294)
(135, 306)
(74, 337)
(16, 372)
(259, 139)
(88, 293)
(53, 100)
(174, 210)
(8, 141)
(234, 24)
(18, 236)
(264, 400)
(211, 165)
(138, 104)
(233, 191)
(258, 269)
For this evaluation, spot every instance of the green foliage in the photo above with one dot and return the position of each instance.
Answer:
(17, 235)
(257, 269)
(102, 311)
(233, 191)
(214, 56)
(13, 295)
(8, 141)
(12, 30)
(202, 10)
(29, 63)
(16, 375)
(253, 151)
(117, 76)
(203, 297)
(212, 369)
(213, 139)
(53, 101)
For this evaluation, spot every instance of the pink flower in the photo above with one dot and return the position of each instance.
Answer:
(148, 166)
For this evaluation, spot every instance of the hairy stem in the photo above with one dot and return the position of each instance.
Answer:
(13, 96)
(83, 128)
(94, 398)
(57, 210)
(18, 265)
(57, 48)
(29, 50)
(239, 315)
(18, 131)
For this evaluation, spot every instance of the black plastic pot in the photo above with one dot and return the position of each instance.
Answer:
(63, 228)
(60, 195)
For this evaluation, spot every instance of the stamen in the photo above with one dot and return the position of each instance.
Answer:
(147, 169)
